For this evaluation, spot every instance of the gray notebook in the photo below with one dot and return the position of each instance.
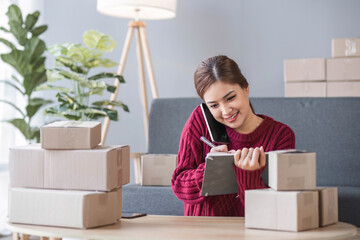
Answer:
(219, 175)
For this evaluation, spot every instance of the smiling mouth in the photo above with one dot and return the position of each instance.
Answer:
(232, 118)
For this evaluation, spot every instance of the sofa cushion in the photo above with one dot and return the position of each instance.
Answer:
(151, 200)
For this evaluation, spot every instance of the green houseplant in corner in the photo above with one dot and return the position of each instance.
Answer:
(74, 63)
(26, 57)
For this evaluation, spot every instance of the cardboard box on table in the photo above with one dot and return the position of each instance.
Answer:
(101, 169)
(157, 169)
(74, 209)
(292, 170)
(71, 135)
(328, 205)
(281, 210)
(345, 47)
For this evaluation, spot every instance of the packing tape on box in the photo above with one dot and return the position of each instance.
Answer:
(350, 47)
(308, 199)
(296, 162)
(103, 199)
(68, 124)
(295, 182)
(119, 167)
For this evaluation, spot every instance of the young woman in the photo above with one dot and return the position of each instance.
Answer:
(221, 85)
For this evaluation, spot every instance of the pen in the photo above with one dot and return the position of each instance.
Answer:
(210, 144)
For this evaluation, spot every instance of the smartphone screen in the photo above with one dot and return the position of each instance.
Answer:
(132, 215)
(217, 130)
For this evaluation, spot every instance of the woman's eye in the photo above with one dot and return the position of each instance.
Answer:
(230, 98)
(213, 106)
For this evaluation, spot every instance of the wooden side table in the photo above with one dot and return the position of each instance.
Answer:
(180, 227)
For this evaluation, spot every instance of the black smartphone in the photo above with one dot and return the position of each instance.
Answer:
(217, 130)
(132, 215)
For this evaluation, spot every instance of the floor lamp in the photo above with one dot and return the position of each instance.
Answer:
(137, 9)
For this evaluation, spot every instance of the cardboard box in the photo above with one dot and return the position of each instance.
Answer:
(71, 135)
(343, 69)
(74, 209)
(281, 210)
(157, 169)
(101, 169)
(305, 89)
(328, 205)
(345, 47)
(343, 89)
(307, 69)
(292, 170)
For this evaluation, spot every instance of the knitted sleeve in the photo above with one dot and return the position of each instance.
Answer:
(187, 178)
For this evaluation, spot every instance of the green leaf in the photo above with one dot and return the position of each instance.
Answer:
(53, 75)
(46, 87)
(39, 30)
(14, 106)
(110, 88)
(70, 75)
(67, 62)
(34, 105)
(4, 29)
(17, 60)
(15, 23)
(7, 43)
(102, 42)
(14, 14)
(33, 80)
(13, 85)
(31, 20)
(34, 48)
(21, 125)
(35, 134)
(58, 49)
(107, 75)
(112, 103)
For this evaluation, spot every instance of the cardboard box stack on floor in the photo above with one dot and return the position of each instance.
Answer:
(70, 180)
(338, 76)
(293, 202)
(157, 169)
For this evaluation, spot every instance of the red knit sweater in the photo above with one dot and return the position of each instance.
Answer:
(188, 175)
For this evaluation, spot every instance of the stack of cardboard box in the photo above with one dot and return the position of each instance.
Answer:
(157, 169)
(319, 77)
(68, 181)
(293, 202)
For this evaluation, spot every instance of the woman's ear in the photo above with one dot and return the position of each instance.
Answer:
(247, 90)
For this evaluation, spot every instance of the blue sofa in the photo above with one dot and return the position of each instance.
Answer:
(327, 126)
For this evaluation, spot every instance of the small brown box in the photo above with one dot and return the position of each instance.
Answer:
(305, 89)
(343, 69)
(71, 135)
(345, 47)
(307, 69)
(157, 169)
(74, 209)
(281, 210)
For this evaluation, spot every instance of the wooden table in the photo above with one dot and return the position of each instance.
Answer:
(179, 227)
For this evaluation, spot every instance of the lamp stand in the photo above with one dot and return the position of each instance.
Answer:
(142, 48)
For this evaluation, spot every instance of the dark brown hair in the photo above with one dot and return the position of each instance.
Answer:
(218, 68)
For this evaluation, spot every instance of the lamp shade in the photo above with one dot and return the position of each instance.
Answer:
(138, 9)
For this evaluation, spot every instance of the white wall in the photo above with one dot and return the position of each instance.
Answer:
(258, 34)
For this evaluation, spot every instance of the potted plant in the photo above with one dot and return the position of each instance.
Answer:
(74, 63)
(26, 57)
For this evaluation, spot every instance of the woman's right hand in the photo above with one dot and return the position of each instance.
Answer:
(220, 148)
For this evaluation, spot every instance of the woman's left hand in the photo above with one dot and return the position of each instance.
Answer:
(250, 158)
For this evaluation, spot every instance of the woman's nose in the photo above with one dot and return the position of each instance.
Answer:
(225, 109)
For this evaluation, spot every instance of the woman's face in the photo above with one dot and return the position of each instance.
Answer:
(229, 104)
